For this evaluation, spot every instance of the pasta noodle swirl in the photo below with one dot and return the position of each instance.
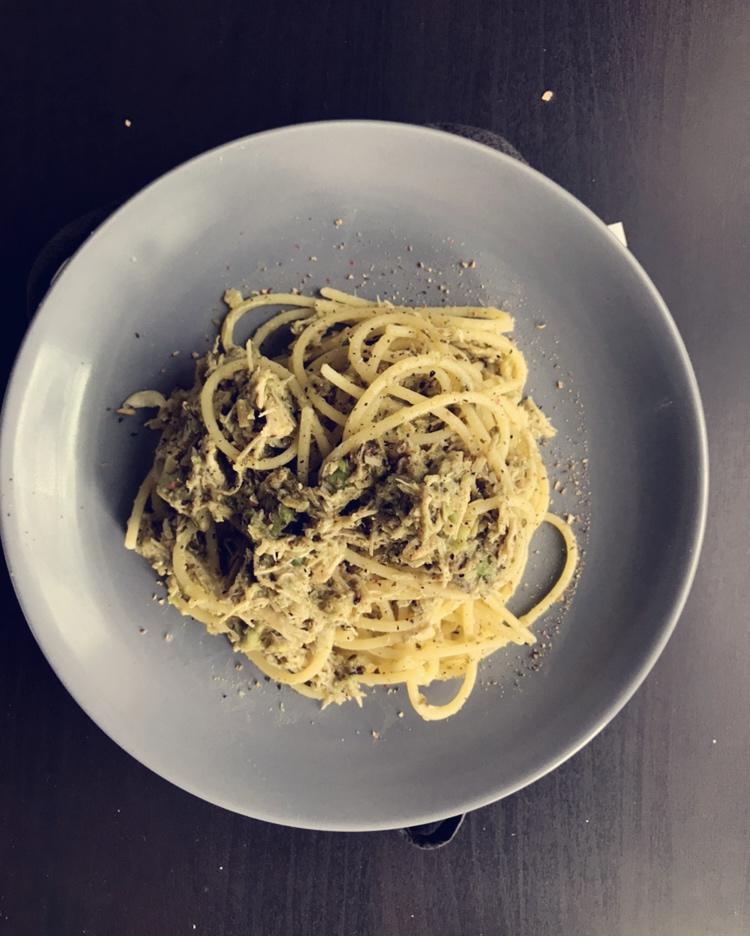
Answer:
(350, 497)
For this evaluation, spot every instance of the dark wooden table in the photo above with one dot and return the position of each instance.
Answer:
(647, 831)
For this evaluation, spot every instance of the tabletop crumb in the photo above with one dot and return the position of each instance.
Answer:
(401, 715)
(548, 96)
(375, 735)
(560, 385)
(469, 264)
(142, 631)
(541, 326)
(128, 122)
(169, 637)
(175, 354)
(338, 222)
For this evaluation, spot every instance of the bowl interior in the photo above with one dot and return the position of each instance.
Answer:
(261, 212)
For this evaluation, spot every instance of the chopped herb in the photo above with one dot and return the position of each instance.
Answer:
(483, 569)
(298, 562)
(281, 519)
(338, 478)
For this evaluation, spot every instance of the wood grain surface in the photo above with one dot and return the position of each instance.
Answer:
(647, 831)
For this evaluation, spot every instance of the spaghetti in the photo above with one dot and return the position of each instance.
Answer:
(350, 496)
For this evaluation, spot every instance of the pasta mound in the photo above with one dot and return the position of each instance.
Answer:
(350, 497)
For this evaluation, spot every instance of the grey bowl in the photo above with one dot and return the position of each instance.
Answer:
(253, 213)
